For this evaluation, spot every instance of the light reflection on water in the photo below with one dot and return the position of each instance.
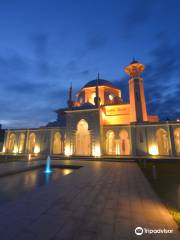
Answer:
(14, 185)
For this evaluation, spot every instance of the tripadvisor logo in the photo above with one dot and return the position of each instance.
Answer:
(139, 231)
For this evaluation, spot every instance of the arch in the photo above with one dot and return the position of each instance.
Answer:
(124, 142)
(162, 141)
(21, 142)
(110, 142)
(32, 142)
(82, 139)
(12, 145)
(57, 143)
(177, 140)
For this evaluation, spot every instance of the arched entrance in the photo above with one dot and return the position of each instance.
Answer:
(21, 143)
(32, 142)
(12, 143)
(110, 143)
(177, 140)
(82, 139)
(57, 143)
(124, 142)
(162, 141)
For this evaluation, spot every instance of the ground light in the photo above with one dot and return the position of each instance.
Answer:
(153, 150)
(97, 151)
(36, 149)
(67, 151)
(15, 150)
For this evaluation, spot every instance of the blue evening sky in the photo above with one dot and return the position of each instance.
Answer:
(47, 44)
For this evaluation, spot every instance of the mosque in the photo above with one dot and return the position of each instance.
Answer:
(100, 123)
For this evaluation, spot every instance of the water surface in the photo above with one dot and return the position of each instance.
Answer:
(15, 185)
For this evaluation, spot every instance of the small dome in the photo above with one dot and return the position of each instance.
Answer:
(101, 82)
(134, 61)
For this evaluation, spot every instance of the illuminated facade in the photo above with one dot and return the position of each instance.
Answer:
(100, 123)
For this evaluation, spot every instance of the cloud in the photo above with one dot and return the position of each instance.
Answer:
(137, 15)
(85, 72)
(140, 12)
(96, 41)
(161, 81)
(26, 87)
(12, 65)
(40, 44)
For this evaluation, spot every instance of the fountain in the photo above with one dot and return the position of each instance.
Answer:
(48, 165)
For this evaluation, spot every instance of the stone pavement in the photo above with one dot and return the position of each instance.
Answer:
(14, 167)
(102, 200)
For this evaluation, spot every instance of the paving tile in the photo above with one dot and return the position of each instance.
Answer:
(102, 200)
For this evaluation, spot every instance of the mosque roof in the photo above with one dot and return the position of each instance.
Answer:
(101, 82)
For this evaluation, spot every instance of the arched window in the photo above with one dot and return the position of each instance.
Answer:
(12, 143)
(32, 142)
(57, 143)
(110, 142)
(82, 139)
(124, 142)
(21, 143)
(177, 140)
(162, 141)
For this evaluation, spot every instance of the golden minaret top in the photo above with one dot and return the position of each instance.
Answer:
(134, 69)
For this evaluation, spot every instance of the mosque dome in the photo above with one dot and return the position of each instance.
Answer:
(107, 91)
(101, 82)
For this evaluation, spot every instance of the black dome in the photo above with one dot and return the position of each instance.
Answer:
(101, 82)
(134, 61)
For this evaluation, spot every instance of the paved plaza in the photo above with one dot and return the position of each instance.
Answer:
(101, 200)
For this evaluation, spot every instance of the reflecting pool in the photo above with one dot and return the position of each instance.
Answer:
(14, 185)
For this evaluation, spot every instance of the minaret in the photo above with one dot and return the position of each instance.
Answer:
(97, 99)
(136, 92)
(70, 102)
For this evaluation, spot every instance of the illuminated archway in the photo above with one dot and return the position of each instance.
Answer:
(162, 141)
(12, 146)
(82, 139)
(32, 142)
(110, 142)
(177, 140)
(124, 142)
(57, 143)
(21, 142)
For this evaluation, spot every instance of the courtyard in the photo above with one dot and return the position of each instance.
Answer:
(100, 200)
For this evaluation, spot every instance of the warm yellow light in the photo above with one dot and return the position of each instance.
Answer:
(20, 149)
(178, 120)
(15, 150)
(67, 171)
(4, 149)
(29, 156)
(117, 149)
(111, 97)
(68, 151)
(97, 151)
(36, 149)
(153, 150)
